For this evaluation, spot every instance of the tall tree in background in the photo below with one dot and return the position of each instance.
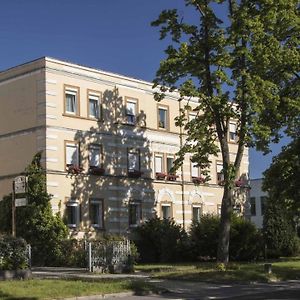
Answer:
(282, 178)
(240, 65)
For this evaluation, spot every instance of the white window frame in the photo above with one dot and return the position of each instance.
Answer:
(169, 156)
(166, 121)
(73, 203)
(100, 204)
(232, 132)
(197, 206)
(95, 147)
(96, 97)
(73, 91)
(74, 145)
(134, 152)
(131, 117)
(161, 157)
(195, 170)
(219, 168)
(138, 211)
(170, 210)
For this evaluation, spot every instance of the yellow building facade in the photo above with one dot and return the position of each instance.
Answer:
(107, 147)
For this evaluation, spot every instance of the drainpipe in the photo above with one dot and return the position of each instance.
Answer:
(182, 176)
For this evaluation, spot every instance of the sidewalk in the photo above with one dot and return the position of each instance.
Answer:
(79, 273)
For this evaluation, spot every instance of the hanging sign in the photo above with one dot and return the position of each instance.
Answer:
(20, 185)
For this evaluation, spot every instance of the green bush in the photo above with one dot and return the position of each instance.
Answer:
(279, 233)
(161, 241)
(246, 242)
(204, 237)
(13, 254)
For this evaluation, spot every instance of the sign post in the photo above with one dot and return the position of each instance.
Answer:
(18, 198)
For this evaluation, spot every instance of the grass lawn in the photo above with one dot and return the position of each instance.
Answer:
(284, 269)
(48, 289)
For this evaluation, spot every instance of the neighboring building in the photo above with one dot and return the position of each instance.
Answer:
(107, 145)
(257, 202)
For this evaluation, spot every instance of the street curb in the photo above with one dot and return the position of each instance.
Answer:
(103, 296)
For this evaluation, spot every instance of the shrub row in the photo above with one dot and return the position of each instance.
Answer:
(164, 241)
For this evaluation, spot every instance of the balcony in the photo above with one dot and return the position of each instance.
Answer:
(73, 169)
(94, 170)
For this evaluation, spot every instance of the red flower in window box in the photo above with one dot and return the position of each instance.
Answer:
(134, 173)
(172, 177)
(74, 169)
(94, 170)
(198, 180)
(160, 175)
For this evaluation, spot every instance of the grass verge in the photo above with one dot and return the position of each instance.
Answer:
(58, 289)
(284, 269)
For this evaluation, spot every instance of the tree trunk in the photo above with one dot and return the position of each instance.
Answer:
(224, 230)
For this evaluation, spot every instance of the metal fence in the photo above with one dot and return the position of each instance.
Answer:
(109, 256)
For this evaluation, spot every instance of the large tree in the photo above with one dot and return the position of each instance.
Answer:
(282, 178)
(241, 64)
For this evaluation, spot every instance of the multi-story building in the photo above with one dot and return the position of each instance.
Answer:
(257, 201)
(107, 147)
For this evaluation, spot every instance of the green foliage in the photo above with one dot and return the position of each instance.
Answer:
(36, 222)
(279, 232)
(12, 253)
(204, 237)
(246, 242)
(160, 241)
(243, 66)
(282, 177)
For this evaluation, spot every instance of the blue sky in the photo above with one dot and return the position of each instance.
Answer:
(112, 35)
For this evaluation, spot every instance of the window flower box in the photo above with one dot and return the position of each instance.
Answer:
(160, 176)
(74, 169)
(134, 173)
(172, 177)
(198, 180)
(96, 170)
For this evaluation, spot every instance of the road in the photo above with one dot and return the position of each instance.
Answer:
(191, 290)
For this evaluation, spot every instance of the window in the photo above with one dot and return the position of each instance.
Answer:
(96, 213)
(232, 132)
(195, 171)
(166, 211)
(219, 207)
(220, 175)
(133, 160)
(253, 206)
(72, 213)
(95, 155)
(72, 100)
(158, 161)
(135, 213)
(192, 117)
(263, 201)
(197, 212)
(163, 117)
(131, 110)
(170, 161)
(94, 104)
(72, 153)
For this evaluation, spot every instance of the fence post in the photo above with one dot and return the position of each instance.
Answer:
(90, 257)
(29, 255)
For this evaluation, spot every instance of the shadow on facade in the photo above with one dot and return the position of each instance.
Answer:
(119, 177)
